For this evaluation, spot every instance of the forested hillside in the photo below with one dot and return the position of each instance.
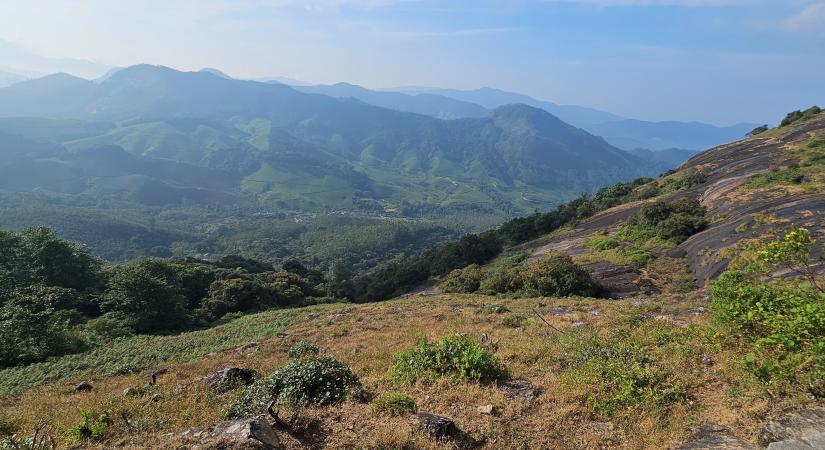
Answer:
(155, 162)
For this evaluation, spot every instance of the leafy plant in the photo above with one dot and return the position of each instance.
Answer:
(91, 427)
(621, 374)
(302, 349)
(312, 381)
(514, 321)
(394, 404)
(456, 356)
(464, 280)
(784, 320)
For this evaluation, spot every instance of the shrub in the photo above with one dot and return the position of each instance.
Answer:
(394, 404)
(790, 175)
(456, 356)
(557, 276)
(784, 320)
(90, 427)
(514, 321)
(799, 116)
(313, 381)
(672, 221)
(302, 349)
(620, 374)
(464, 280)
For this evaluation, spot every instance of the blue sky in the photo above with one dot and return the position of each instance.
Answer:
(719, 61)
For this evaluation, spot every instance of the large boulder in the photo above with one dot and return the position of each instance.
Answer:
(796, 425)
(714, 437)
(252, 433)
(436, 426)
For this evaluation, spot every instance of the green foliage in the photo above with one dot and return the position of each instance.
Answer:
(787, 176)
(132, 354)
(393, 404)
(514, 321)
(314, 381)
(673, 221)
(688, 179)
(557, 276)
(145, 292)
(621, 374)
(90, 427)
(455, 356)
(32, 328)
(784, 320)
(800, 116)
(464, 280)
(397, 278)
(758, 130)
(302, 349)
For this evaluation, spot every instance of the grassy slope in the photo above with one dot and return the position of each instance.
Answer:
(674, 329)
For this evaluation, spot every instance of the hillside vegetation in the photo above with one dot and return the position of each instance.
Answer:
(623, 320)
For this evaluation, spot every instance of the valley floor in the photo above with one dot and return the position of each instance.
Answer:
(682, 351)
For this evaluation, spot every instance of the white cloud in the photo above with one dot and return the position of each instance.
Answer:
(810, 19)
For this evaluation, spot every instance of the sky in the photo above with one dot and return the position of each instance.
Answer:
(717, 61)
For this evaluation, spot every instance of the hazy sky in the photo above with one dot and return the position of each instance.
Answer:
(720, 61)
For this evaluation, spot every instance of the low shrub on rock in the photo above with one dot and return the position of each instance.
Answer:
(457, 356)
(463, 281)
(312, 381)
(557, 276)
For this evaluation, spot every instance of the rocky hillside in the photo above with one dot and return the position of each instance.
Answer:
(752, 190)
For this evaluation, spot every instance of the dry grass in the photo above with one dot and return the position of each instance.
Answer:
(367, 336)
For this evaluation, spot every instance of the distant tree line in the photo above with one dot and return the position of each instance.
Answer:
(400, 277)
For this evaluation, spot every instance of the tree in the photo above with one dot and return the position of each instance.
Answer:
(340, 280)
(31, 330)
(143, 293)
(758, 130)
(794, 253)
(56, 262)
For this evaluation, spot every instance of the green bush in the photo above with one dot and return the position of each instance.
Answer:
(557, 276)
(800, 116)
(394, 404)
(302, 349)
(514, 321)
(456, 356)
(313, 381)
(90, 427)
(673, 221)
(783, 319)
(464, 280)
(620, 374)
(788, 176)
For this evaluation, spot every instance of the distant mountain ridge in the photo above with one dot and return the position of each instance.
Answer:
(309, 151)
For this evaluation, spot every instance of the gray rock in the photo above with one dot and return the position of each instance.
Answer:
(794, 425)
(83, 387)
(253, 433)
(714, 437)
(436, 426)
(227, 379)
(816, 441)
(790, 444)
(520, 388)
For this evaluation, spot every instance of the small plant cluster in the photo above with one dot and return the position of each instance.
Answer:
(555, 276)
(672, 221)
(800, 116)
(394, 404)
(614, 249)
(311, 381)
(787, 176)
(303, 349)
(91, 427)
(784, 319)
(620, 374)
(456, 356)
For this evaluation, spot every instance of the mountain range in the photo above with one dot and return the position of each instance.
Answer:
(307, 150)
(619, 131)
